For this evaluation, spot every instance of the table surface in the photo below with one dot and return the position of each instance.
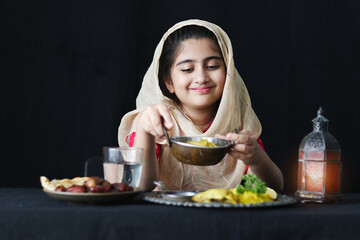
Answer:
(31, 214)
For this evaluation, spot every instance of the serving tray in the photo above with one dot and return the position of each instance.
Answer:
(157, 197)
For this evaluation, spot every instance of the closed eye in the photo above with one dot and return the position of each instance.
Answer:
(213, 67)
(187, 70)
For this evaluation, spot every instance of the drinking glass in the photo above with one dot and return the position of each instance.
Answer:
(123, 165)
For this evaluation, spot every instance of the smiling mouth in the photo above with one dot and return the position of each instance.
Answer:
(202, 89)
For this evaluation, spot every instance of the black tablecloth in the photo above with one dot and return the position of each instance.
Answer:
(31, 214)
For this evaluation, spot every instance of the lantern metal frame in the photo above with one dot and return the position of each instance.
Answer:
(319, 164)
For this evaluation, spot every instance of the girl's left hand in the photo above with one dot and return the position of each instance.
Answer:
(245, 147)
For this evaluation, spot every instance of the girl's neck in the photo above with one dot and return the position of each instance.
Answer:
(200, 118)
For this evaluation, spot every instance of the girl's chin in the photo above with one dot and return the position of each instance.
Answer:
(202, 104)
(204, 100)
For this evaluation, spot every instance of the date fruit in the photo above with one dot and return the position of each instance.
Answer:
(76, 189)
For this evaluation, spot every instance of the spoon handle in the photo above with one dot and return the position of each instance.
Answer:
(233, 142)
(162, 186)
(166, 133)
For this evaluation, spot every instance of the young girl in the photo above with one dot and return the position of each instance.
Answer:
(193, 87)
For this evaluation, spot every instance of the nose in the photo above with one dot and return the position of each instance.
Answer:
(201, 76)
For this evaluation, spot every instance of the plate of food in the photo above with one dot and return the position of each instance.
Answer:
(92, 190)
(250, 193)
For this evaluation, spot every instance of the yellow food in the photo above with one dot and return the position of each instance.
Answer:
(232, 196)
(217, 195)
(251, 198)
(202, 142)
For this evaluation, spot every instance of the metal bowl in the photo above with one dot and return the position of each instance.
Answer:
(199, 155)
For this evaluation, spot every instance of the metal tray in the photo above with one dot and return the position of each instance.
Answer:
(157, 197)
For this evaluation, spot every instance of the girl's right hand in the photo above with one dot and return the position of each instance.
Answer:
(150, 120)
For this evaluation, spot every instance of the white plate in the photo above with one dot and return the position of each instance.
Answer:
(156, 197)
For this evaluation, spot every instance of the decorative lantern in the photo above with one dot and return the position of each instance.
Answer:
(319, 166)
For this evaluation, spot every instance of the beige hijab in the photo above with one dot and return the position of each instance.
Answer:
(234, 111)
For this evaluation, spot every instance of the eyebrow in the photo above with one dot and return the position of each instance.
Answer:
(206, 59)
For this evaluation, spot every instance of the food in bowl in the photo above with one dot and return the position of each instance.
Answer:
(199, 155)
(202, 142)
(83, 185)
(250, 191)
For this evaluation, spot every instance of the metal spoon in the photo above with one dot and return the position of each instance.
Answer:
(166, 192)
(166, 133)
(162, 186)
(233, 142)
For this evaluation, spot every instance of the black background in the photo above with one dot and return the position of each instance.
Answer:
(69, 71)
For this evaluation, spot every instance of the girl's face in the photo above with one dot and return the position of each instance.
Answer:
(197, 75)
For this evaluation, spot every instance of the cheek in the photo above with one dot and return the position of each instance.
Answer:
(180, 83)
(180, 88)
(220, 79)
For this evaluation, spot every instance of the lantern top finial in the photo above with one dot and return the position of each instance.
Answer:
(320, 112)
(320, 122)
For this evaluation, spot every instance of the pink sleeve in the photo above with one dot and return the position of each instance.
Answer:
(262, 147)
(261, 144)
(130, 141)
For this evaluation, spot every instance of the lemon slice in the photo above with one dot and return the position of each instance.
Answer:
(271, 193)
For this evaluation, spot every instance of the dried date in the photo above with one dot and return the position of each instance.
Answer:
(100, 188)
(96, 185)
(60, 189)
(76, 189)
(122, 187)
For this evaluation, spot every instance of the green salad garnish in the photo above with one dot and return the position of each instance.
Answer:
(251, 183)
